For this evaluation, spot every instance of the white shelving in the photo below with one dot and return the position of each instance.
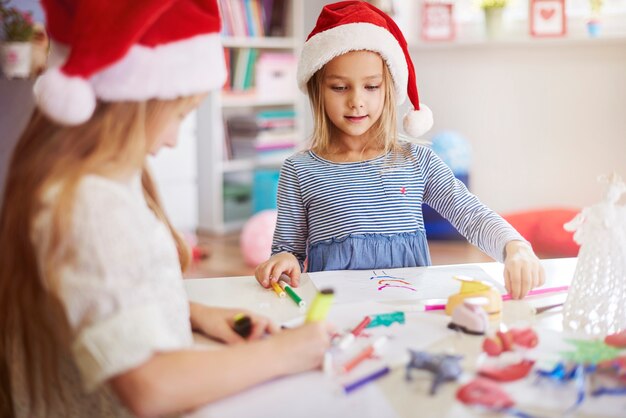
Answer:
(212, 167)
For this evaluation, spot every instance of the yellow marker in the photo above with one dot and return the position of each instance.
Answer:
(320, 306)
(279, 291)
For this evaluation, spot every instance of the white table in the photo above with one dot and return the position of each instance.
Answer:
(316, 395)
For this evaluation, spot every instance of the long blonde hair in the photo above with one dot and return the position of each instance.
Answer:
(116, 139)
(384, 131)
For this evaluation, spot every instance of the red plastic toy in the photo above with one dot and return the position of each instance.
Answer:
(484, 392)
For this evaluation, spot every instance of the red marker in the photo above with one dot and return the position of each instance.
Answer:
(349, 338)
(365, 354)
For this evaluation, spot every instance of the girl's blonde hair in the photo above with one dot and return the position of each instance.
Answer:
(115, 140)
(384, 131)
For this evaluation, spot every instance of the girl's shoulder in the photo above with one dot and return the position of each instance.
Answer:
(419, 150)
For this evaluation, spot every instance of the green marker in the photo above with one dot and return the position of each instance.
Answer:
(320, 305)
(293, 295)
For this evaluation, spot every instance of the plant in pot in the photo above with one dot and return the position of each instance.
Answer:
(493, 10)
(594, 24)
(17, 30)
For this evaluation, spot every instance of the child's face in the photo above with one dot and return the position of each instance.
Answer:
(354, 92)
(168, 137)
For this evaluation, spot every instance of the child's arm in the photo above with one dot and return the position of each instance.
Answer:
(480, 225)
(218, 323)
(179, 381)
(522, 269)
(291, 233)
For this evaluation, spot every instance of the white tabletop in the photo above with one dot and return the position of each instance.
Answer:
(314, 394)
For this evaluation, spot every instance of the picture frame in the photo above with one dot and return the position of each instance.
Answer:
(438, 22)
(547, 18)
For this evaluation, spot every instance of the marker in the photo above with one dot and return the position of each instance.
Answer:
(279, 291)
(349, 338)
(365, 354)
(366, 379)
(293, 295)
(242, 325)
(320, 305)
(535, 292)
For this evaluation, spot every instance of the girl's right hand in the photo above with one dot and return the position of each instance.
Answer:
(303, 348)
(277, 265)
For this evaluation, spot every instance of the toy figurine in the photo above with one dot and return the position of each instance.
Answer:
(506, 341)
(471, 288)
(470, 317)
(445, 368)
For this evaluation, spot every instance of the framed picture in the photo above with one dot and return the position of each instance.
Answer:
(437, 22)
(547, 18)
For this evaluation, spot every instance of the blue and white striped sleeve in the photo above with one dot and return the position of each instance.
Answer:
(447, 195)
(291, 231)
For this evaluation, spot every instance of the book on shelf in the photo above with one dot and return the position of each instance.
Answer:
(254, 18)
(267, 134)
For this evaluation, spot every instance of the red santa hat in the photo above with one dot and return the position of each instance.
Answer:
(355, 26)
(127, 51)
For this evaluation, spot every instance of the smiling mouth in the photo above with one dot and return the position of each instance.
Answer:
(356, 118)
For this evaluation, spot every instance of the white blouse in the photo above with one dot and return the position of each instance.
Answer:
(123, 293)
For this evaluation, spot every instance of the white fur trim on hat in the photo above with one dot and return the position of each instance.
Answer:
(66, 100)
(324, 46)
(417, 122)
(183, 68)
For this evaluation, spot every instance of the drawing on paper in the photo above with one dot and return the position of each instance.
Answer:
(385, 281)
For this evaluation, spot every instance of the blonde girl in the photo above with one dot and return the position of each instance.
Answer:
(353, 200)
(93, 313)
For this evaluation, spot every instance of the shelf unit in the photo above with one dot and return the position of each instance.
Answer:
(213, 169)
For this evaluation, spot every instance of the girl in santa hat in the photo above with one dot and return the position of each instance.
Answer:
(94, 317)
(354, 199)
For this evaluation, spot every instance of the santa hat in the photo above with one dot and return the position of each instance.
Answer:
(127, 51)
(355, 26)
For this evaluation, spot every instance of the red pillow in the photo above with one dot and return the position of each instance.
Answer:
(544, 230)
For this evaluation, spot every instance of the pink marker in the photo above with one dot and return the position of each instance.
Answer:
(535, 292)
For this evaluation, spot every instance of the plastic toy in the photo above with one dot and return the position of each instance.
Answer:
(470, 317)
(485, 393)
(507, 373)
(506, 341)
(616, 340)
(471, 288)
(386, 319)
(444, 367)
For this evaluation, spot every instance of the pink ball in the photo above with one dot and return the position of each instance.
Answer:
(256, 237)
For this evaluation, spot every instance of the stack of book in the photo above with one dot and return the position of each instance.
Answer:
(267, 135)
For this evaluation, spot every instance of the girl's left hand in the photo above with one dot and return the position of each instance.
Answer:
(218, 323)
(522, 269)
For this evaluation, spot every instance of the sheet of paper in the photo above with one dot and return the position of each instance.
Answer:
(315, 394)
(406, 284)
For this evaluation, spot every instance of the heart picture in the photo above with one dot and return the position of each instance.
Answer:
(546, 14)
(547, 18)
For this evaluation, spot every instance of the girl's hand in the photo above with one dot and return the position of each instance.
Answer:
(522, 269)
(302, 348)
(218, 323)
(278, 264)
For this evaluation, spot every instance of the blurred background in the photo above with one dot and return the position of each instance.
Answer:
(529, 100)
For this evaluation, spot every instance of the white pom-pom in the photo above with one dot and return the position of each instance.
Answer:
(64, 99)
(417, 122)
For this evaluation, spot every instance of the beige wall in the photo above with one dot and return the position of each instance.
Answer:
(543, 119)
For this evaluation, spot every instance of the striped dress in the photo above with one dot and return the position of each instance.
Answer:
(368, 214)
